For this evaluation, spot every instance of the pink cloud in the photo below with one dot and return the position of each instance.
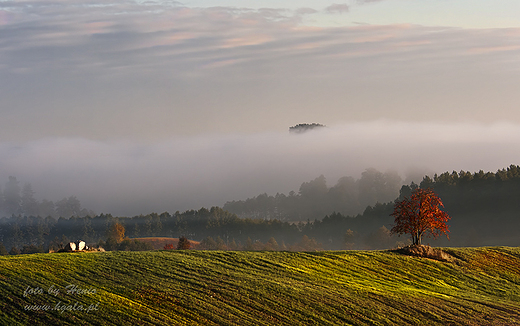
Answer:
(247, 41)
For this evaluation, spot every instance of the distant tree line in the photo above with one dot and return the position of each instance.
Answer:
(483, 206)
(17, 200)
(206, 225)
(315, 199)
(302, 127)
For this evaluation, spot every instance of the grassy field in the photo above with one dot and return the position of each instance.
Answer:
(482, 287)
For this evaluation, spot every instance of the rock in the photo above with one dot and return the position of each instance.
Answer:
(71, 246)
(80, 245)
(426, 252)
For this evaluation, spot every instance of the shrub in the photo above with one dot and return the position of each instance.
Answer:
(183, 244)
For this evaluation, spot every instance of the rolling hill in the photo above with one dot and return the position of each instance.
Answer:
(481, 286)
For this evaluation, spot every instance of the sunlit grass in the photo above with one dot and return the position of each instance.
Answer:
(266, 288)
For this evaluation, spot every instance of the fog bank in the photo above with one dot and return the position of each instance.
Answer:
(128, 178)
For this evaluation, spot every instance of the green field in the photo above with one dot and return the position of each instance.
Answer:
(481, 287)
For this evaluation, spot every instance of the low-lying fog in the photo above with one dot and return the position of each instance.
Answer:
(126, 178)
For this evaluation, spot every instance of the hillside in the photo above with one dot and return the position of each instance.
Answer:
(261, 288)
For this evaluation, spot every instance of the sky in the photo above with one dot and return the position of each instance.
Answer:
(140, 106)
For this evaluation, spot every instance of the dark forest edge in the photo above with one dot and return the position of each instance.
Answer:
(484, 208)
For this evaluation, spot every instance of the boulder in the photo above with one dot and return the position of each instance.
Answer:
(71, 246)
(425, 252)
(80, 245)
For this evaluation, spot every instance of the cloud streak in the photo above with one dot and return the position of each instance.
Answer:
(337, 8)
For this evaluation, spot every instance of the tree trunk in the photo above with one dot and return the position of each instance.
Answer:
(416, 239)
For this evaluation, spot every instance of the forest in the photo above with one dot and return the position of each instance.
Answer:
(315, 199)
(16, 200)
(483, 206)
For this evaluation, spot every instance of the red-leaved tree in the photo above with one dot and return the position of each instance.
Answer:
(420, 216)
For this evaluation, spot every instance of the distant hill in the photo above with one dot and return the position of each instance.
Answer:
(316, 199)
(261, 288)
